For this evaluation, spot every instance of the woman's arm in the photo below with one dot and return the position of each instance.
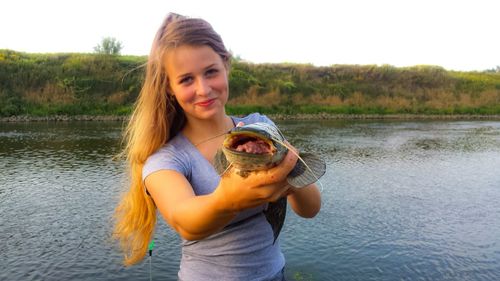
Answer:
(305, 201)
(193, 217)
(196, 217)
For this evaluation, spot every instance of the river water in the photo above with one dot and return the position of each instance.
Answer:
(402, 200)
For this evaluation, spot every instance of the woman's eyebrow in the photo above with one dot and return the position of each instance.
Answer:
(180, 76)
(210, 66)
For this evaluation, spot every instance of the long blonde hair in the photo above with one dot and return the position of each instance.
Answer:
(157, 117)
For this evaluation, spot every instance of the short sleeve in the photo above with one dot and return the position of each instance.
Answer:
(164, 159)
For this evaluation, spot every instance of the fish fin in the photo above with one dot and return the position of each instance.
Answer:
(275, 215)
(308, 170)
(220, 162)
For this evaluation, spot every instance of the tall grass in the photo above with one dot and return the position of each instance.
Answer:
(75, 84)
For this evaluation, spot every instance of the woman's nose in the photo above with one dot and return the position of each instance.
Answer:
(203, 87)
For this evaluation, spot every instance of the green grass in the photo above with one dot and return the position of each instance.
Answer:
(91, 84)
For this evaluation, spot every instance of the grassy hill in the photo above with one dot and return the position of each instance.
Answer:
(93, 84)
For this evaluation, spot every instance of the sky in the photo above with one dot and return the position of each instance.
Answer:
(457, 35)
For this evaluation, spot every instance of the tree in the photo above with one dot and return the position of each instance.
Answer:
(109, 46)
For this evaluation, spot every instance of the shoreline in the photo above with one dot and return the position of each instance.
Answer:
(300, 116)
(327, 116)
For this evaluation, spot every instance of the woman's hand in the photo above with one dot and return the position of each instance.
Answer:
(237, 193)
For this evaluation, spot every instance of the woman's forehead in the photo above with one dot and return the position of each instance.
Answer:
(187, 59)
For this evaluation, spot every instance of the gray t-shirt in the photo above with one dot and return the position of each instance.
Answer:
(244, 249)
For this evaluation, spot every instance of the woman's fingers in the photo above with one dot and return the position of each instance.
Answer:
(258, 187)
(290, 190)
(275, 174)
(282, 191)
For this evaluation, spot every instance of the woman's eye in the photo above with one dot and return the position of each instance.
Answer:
(212, 72)
(186, 80)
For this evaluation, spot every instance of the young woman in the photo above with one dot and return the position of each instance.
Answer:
(173, 135)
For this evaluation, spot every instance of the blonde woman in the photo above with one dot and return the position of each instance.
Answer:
(170, 146)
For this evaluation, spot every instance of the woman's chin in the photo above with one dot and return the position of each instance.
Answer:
(209, 112)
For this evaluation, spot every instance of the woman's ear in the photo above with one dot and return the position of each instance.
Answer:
(169, 90)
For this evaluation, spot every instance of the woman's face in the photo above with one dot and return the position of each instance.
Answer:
(198, 80)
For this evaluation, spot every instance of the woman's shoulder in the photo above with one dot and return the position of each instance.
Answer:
(174, 146)
(173, 155)
(252, 118)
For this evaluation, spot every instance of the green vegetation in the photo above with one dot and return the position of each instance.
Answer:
(102, 84)
(298, 276)
(72, 84)
(109, 46)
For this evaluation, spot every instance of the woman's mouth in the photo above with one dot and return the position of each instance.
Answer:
(205, 103)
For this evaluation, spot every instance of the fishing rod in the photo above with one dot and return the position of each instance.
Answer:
(150, 248)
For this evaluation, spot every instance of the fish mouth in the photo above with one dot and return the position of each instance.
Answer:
(250, 143)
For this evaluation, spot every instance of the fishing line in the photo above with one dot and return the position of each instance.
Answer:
(216, 136)
(300, 158)
(229, 166)
(211, 138)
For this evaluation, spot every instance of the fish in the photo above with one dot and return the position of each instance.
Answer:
(261, 146)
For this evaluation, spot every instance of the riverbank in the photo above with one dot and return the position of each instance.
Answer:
(90, 84)
(317, 116)
(63, 118)
(327, 116)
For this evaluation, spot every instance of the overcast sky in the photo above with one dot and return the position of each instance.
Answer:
(457, 35)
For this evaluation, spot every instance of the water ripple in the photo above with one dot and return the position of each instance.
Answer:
(401, 201)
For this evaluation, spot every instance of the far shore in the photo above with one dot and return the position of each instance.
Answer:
(299, 116)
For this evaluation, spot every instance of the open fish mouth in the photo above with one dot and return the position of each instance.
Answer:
(249, 142)
(250, 151)
(260, 146)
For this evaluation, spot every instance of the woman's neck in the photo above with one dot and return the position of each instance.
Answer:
(199, 131)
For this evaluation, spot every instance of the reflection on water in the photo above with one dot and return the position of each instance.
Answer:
(401, 201)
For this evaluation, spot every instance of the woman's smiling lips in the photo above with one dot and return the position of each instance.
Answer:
(205, 103)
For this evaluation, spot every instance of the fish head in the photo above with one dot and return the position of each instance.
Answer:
(254, 146)
(265, 130)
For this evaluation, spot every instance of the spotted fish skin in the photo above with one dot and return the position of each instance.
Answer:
(245, 163)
